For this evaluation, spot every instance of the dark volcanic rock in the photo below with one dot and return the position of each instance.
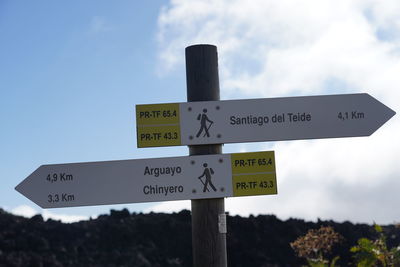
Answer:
(159, 240)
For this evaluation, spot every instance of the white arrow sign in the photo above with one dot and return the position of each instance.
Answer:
(146, 180)
(251, 120)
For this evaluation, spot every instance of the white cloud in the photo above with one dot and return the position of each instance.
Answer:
(343, 179)
(170, 206)
(65, 218)
(28, 212)
(277, 48)
(24, 210)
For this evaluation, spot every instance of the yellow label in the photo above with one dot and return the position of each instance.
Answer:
(253, 173)
(157, 114)
(253, 162)
(152, 136)
(158, 125)
(254, 184)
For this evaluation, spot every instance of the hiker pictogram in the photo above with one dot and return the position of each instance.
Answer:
(207, 178)
(205, 124)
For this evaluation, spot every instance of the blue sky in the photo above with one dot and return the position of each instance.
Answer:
(71, 76)
(71, 73)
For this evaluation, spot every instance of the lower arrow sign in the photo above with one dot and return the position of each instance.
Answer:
(147, 180)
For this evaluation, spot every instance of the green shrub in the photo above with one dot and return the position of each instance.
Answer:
(370, 253)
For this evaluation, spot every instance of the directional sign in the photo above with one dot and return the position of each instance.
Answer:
(251, 120)
(146, 180)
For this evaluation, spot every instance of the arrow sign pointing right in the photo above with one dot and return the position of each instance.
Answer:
(265, 119)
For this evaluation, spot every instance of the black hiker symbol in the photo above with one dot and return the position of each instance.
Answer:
(203, 118)
(207, 181)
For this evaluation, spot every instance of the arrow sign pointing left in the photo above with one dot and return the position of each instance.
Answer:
(147, 180)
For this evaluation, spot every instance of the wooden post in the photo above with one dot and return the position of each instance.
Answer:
(209, 244)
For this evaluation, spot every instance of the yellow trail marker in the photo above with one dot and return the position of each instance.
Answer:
(253, 174)
(158, 125)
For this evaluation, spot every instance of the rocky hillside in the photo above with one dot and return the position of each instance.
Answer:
(156, 239)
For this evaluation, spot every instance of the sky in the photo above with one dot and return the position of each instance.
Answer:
(71, 73)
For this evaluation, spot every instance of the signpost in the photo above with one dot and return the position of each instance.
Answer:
(147, 180)
(252, 120)
(206, 176)
(208, 231)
